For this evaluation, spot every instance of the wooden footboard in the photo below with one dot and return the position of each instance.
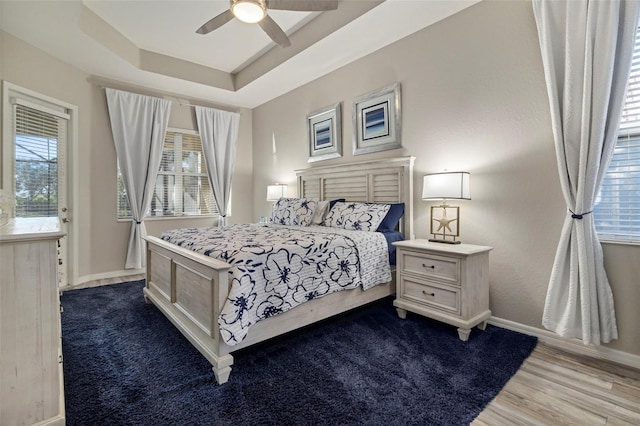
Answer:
(191, 289)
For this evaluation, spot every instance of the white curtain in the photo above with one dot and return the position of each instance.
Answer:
(219, 134)
(138, 124)
(586, 49)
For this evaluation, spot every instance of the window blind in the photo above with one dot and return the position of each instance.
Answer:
(182, 186)
(617, 209)
(37, 134)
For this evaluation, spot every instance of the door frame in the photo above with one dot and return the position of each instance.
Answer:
(10, 90)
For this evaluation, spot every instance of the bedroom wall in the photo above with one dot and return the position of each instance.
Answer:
(474, 99)
(1, 74)
(102, 240)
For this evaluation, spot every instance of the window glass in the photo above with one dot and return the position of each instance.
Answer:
(182, 186)
(617, 209)
(36, 162)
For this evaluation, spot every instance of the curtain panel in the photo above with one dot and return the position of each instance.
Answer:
(586, 48)
(219, 135)
(138, 124)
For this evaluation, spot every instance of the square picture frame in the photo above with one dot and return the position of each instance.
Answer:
(377, 120)
(324, 130)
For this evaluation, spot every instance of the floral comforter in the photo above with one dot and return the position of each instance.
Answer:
(276, 267)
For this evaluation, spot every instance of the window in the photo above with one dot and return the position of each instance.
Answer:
(182, 186)
(617, 210)
(37, 136)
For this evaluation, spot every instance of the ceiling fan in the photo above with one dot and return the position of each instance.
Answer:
(255, 11)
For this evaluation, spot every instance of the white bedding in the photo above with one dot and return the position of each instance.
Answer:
(277, 267)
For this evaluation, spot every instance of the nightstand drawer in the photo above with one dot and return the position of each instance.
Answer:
(443, 298)
(432, 266)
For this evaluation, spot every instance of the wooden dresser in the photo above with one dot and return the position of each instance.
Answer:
(31, 384)
(446, 282)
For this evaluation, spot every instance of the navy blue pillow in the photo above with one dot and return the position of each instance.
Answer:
(391, 237)
(337, 200)
(390, 221)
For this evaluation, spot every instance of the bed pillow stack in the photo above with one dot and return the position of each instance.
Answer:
(338, 214)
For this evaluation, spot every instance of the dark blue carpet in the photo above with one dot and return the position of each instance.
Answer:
(125, 364)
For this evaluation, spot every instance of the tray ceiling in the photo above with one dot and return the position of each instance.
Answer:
(153, 44)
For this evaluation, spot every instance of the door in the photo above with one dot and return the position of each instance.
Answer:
(37, 176)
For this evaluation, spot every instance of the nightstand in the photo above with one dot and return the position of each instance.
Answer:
(446, 282)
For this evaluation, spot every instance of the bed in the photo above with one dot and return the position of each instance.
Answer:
(191, 288)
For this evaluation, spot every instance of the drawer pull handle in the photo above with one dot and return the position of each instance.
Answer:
(428, 266)
(428, 294)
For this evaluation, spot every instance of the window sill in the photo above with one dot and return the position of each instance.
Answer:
(181, 217)
(621, 243)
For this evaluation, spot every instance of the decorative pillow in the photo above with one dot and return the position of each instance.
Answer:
(390, 221)
(322, 210)
(356, 216)
(294, 211)
(320, 213)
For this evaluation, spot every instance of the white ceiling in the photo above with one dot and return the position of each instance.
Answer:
(226, 48)
(239, 52)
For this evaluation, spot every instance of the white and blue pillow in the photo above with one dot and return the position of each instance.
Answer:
(356, 216)
(294, 211)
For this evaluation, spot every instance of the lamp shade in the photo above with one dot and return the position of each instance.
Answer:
(447, 185)
(275, 192)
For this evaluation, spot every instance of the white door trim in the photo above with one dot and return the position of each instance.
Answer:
(11, 91)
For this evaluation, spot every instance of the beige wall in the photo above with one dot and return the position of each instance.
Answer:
(102, 240)
(474, 99)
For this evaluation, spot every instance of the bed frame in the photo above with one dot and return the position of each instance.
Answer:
(190, 289)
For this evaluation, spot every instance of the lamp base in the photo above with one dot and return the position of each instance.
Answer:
(436, 240)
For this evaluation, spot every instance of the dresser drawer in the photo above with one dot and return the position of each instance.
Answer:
(440, 297)
(432, 266)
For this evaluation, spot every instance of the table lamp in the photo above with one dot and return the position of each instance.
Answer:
(275, 192)
(445, 219)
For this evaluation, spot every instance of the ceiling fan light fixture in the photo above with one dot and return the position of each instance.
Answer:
(249, 11)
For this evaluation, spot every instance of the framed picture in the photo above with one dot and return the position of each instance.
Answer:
(324, 128)
(377, 120)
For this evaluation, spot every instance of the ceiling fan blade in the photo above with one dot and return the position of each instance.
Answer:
(274, 31)
(302, 5)
(216, 22)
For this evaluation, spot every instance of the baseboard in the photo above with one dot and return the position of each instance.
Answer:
(123, 275)
(570, 345)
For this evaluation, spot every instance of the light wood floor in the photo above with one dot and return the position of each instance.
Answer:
(554, 387)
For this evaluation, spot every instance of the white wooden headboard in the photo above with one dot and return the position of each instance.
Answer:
(379, 181)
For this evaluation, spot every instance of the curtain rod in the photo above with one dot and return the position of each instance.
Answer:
(170, 98)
